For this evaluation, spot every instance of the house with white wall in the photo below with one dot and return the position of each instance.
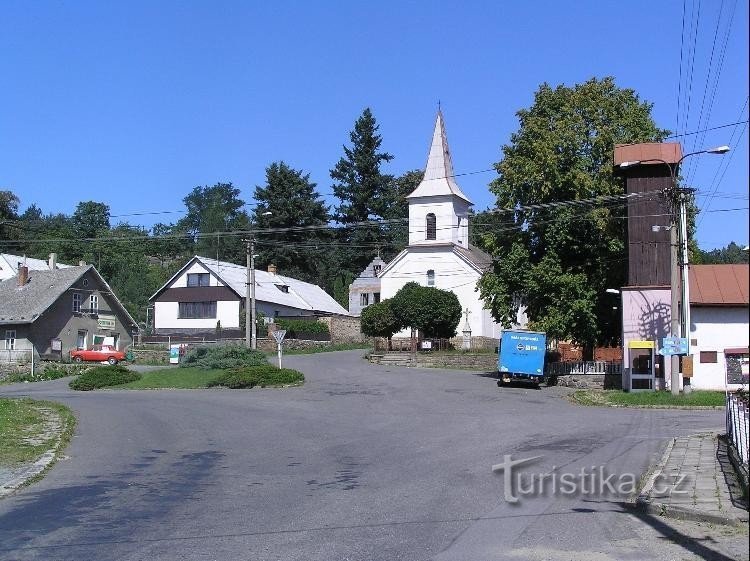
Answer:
(206, 292)
(719, 327)
(439, 253)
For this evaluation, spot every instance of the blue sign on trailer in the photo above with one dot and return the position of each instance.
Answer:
(522, 354)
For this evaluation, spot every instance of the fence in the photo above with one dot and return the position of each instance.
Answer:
(15, 356)
(737, 425)
(582, 368)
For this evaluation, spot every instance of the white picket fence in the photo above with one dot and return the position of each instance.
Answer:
(737, 425)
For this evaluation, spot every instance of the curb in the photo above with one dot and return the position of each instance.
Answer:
(688, 514)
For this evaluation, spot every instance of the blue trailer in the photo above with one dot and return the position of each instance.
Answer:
(521, 356)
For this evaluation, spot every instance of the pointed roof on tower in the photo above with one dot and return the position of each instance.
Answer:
(439, 175)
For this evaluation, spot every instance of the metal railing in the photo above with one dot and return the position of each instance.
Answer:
(737, 425)
(582, 368)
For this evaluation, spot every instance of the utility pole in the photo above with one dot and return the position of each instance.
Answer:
(675, 304)
(684, 193)
(251, 341)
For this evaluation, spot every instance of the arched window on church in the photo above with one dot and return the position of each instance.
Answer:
(431, 227)
(430, 278)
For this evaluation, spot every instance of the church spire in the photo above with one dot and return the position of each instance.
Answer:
(439, 175)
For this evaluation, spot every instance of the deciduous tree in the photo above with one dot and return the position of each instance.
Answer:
(560, 259)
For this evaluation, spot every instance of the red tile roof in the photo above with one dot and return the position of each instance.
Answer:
(670, 152)
(719, 285)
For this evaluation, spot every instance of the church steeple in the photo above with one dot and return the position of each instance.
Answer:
(438, 174)
(438, 209)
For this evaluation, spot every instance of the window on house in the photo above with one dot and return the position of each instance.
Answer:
(77, 300)
(376, 297)
(430, 278)
(364, 299)
(94, 304)
(10, 339)
(708, 356)
(376, 269)
(198, 279)
(197, 310)
(431, 229)
(283, 288)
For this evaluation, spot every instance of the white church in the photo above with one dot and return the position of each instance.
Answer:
(439, 253)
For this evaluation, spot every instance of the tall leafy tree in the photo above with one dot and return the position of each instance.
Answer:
(292, 201)
(731, 254)
(9, 202)
(559, 260)
(89, 218)
(215, 209)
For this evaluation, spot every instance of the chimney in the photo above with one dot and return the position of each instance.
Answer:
(81, 263)
(272, 269)
(23, 275)
(52, 261)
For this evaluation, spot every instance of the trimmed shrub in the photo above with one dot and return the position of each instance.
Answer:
(222, 357)
(51, 372)
(102, 377)
(267, 375)
(298, 328)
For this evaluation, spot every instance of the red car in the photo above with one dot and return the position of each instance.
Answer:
(99, 353)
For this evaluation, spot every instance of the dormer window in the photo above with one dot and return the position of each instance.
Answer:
(283, 288)
(376, 269)
(431, 227)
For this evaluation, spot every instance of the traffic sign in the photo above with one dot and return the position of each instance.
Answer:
(279, 335)
(673, 346)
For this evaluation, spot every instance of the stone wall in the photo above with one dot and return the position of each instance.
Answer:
(588, 381)
(344, 329)
(6, 369)
(473, 361)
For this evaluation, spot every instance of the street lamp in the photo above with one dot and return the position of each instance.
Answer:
(251, 330)
(681, 222)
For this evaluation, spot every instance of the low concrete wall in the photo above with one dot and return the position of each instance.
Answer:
(588, 381)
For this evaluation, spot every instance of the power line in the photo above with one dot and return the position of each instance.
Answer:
(706, 130)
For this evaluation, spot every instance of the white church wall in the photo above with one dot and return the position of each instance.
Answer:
(451, 273)
(448, 211)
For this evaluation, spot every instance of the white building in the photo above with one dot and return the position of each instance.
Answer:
(439, 253)
(206, 291)
(719, 326)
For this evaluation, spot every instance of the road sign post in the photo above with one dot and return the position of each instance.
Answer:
(279, 336)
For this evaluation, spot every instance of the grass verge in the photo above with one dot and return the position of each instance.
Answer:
(604, 398)
(27, 430)
(173, 378)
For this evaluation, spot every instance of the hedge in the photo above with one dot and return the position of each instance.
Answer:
(102, 377)
(296, 328)
(262, 376)
(222, 357)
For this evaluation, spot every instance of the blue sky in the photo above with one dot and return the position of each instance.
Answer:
(135, 103)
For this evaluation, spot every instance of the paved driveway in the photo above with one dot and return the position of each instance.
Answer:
(362, 462)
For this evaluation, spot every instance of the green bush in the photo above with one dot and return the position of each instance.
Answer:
(295, 328)
(266, 375)
(222, 357)
(102, 377)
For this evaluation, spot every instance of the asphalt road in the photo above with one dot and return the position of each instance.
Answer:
(362, 462)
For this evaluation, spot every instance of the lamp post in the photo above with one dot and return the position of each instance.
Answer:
(251, 329)
(679, 220)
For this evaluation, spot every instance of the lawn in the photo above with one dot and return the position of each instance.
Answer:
(181, 378)
(647, 399)
(325, 349)
(25, 430)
